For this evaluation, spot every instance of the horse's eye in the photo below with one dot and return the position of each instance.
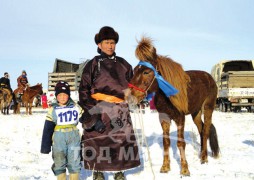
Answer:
(145, 72)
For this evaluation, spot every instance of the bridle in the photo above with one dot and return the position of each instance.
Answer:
(164, 85)
(142, 90)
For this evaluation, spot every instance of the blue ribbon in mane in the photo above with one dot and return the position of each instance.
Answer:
(167, 88)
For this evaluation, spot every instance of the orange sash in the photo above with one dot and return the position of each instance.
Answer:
(107, 98)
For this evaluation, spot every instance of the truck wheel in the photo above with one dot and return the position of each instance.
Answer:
(237, 109)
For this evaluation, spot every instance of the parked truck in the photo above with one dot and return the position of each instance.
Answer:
(235, 81)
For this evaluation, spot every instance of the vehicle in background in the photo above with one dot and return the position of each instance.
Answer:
(235, 81)
(65, 71)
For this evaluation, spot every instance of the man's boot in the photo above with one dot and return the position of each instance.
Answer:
(119, 176)
(74, 176)
(61, 176)
(19, 96)
(97, 175)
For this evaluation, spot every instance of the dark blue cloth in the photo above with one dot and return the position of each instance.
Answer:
(149, 97)
(46, 141)
(99, 126)
(167, 88)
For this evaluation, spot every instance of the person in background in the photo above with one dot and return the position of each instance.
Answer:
(44, 101)
(22, 84)
(61, 133)
(5, 82)
(110, 143)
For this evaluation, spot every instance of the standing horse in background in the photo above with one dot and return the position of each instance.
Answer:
(28, 97)
(197, 94)
(5, 100)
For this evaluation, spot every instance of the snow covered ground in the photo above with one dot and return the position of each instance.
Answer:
(20, 139)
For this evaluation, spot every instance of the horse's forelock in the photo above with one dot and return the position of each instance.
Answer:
(145, 51)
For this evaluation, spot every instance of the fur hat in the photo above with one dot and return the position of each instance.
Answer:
(106, 32)
(62, 87)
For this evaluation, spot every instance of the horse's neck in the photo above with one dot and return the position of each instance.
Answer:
(33, 88)
(31, 92)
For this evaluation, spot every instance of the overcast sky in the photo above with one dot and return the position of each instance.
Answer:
(195, 33)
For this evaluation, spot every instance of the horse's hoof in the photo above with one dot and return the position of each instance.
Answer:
(185, 172)
(203, 161)
(165, 169)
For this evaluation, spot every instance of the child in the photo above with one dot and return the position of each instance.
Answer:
(60, 127)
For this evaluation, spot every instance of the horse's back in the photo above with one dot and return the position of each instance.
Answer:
(201, 78)
(202, 88)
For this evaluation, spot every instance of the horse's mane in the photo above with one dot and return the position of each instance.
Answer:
(35, 86)
(169, 69)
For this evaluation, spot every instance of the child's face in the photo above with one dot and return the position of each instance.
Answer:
(62, 98)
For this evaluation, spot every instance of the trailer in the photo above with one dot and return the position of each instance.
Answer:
(65, 71)
(235, 81)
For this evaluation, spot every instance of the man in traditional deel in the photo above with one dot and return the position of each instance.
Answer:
(109, 142)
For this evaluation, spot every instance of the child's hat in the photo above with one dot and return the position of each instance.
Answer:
(62, 87)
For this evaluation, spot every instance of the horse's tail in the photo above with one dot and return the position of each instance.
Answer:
(213, 139)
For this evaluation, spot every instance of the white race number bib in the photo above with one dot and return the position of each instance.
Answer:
(67, 115)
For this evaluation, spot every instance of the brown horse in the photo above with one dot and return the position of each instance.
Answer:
(28, 97)
(197, 94)
(5, 100)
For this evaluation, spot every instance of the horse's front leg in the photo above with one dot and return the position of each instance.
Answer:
(181, 145)
(18, 108)
(4, 110)
(26, 105)
(166, 144)
(30, 108)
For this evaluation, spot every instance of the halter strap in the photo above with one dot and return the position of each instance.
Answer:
(135, 87)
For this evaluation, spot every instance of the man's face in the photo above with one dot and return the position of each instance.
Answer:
(107, 46)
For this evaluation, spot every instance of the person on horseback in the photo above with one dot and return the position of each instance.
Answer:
(5, 82)
(22, 84)
(6, 92)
